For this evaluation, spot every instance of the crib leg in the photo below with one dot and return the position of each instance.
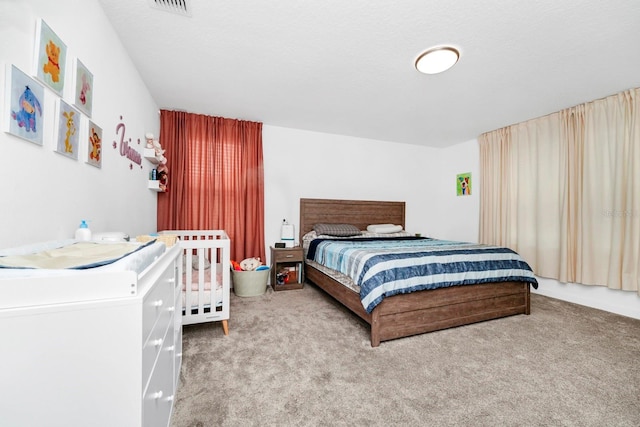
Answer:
(225, 327)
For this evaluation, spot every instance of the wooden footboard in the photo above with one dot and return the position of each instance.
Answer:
(426, 311)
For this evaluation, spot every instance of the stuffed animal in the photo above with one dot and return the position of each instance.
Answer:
(162, 178)
(149, 138)
(157, 147)
(250, 264)
(159, 152)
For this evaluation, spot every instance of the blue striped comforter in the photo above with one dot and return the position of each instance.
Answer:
(388, 266)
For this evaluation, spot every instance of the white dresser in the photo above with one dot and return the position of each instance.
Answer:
(107, 361)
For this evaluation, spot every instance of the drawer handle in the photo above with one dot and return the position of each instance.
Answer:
(158, 342)
(289, 256)
(158, 395)
(158, 303)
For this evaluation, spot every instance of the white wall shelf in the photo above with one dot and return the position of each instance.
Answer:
(155, 185)
(150, 155)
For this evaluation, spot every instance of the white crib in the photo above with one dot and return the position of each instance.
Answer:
(205, 276)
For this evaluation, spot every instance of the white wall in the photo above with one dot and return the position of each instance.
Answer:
(458, 216)
(303, 164)
(44, 194)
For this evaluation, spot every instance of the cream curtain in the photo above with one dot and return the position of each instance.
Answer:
(564, 191)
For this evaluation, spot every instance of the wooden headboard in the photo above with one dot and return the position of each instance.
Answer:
(357, 212)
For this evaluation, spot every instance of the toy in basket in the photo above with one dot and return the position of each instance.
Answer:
(167, 239)
(249, 277)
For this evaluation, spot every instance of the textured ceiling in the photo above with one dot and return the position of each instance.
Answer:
(346, 66)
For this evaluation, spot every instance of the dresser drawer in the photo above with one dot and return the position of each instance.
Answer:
(158, 396)
(159, 300)
(156, 342)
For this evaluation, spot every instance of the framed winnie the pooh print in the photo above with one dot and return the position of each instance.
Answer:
(51, 58)
(23, 115)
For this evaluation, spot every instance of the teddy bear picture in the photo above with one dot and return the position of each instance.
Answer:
(52, 66)
(52, 57)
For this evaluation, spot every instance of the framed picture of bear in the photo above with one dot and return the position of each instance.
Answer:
(50, 58)
(23, 106)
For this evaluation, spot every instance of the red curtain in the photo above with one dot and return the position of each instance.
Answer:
(216, 179)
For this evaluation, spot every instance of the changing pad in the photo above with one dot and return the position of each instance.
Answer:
(79, 255)
(136, 258)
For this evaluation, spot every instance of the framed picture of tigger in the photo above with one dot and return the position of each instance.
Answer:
(94, 145)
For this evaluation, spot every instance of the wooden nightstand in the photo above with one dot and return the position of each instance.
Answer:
(287, 268)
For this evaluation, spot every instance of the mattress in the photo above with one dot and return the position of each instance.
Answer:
(206, 294)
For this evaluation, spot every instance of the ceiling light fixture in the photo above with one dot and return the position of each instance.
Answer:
(437, 59)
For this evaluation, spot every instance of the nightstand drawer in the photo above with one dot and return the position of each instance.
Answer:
(287, 255)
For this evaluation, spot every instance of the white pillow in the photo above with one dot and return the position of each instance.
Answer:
(195, 263)
(384, 228)
(386, 235)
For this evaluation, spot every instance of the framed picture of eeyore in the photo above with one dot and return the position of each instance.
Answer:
(24, 106)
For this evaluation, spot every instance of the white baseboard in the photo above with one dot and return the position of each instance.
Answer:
(619, 302)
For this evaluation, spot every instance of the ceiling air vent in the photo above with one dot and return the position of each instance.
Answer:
(174, 6)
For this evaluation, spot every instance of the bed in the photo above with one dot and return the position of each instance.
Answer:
(412, 313)
(205, 275)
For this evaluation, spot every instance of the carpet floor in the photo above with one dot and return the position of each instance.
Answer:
(298, 358)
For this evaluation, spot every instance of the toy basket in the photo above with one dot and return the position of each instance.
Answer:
(249, 283)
